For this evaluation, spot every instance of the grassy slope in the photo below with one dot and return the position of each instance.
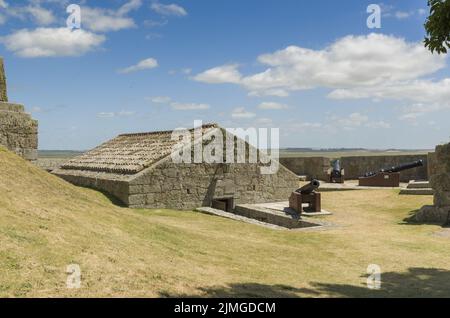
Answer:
(46, 224)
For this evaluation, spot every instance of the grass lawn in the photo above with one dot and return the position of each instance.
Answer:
(47, 224)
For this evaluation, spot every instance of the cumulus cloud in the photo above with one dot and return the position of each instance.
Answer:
(352, 61)
(161, 99)
(177, 105)
(51, 42)
(40, 15)
(272, 105)
(222, 74)
(242, 113)
(378, 124)
(105, 20)
(189, 106)
(142, 65)
(168, 9)
(122, 113)
(354, 121)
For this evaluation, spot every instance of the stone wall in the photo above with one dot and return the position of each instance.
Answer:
(313, 167)
(110, 184)
(50, 164)
(356, 167)
(187, 186)
(3, 91)
(440, 182)
(18, 131)
(432, 164)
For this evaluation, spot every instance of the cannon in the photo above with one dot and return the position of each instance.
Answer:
(336, 173)
(306, 195)
(388, 177)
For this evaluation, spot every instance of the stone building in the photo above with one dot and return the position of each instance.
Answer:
(139, 170)
(18, 131)
(440, 182)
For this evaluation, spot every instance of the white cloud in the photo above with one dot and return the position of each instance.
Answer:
(177, 105)
(129, 6)
(168, 9)
(264, 121)
(161, 99)
(3, 4)
(353, 120)
(402, 14)
(41, 15)
(378, 125)
(122, 113)
(389, 11)
(241, 113)
(189, 106)
(106, 115)
(419, 91)
(99, 21)
(105, 20)
(142, 65)
(51, 42)
(272, 105)
(352, 61)
(222, 74)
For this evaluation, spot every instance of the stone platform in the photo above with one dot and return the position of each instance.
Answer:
(418, 188)
(276, 215)
(352, 185)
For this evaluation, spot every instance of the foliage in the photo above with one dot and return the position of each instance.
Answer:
(438, 26)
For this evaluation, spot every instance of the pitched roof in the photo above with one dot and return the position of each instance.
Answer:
(128, 153)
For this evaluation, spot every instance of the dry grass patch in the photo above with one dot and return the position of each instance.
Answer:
(46, 224)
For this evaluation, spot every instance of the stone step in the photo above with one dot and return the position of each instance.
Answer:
(283, 219)
(230, 215)
(419, 185)
(417, 191)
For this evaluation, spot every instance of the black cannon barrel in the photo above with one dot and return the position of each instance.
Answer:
(405, 166)
(336, 172)
(310, 187)
(337, 165)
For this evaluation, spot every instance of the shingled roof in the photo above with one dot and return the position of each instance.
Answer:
(128, 153)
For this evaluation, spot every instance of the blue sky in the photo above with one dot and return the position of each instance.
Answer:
(313, 69)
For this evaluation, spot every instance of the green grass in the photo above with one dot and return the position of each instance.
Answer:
(47, 224)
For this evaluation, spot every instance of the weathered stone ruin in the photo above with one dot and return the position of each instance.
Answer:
(18, 131)
(439, 212)
(139, 170)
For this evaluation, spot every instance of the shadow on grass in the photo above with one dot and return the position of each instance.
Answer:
(416, 282)
(411, 220)
(247, 290)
